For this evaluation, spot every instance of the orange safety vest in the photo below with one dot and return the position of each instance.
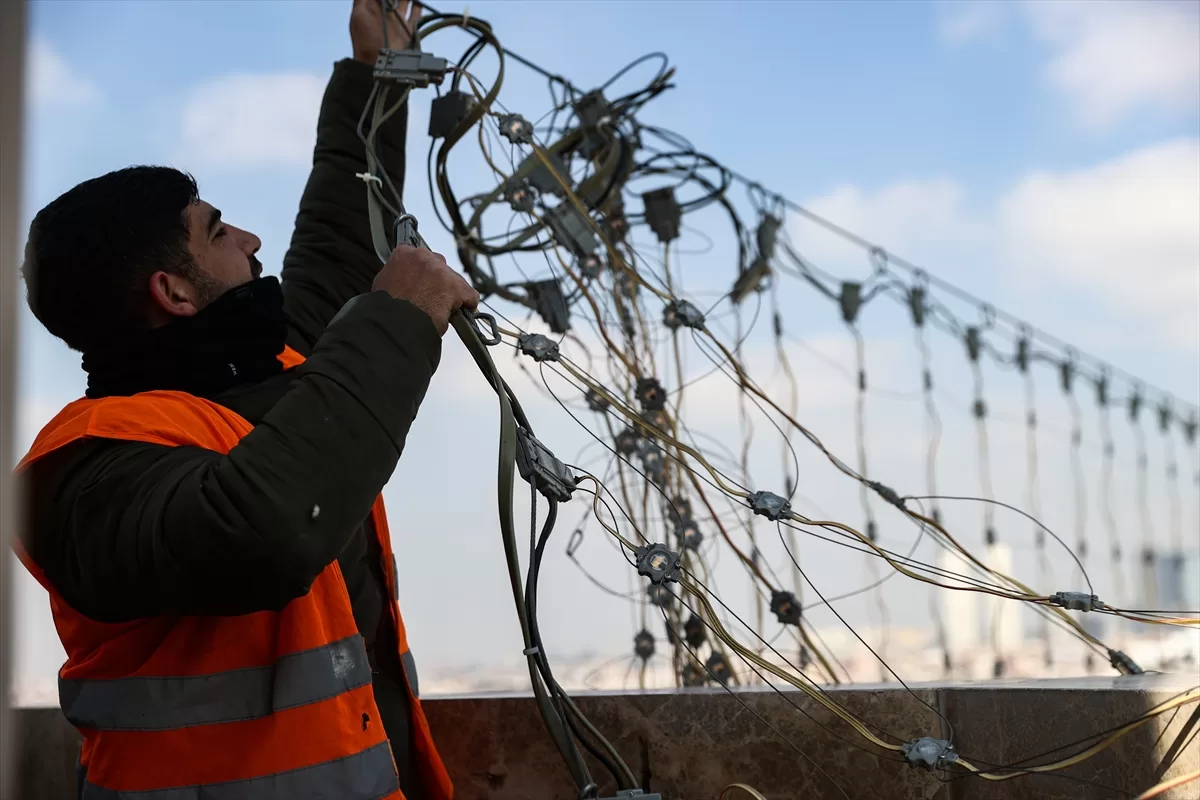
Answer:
(264, 706)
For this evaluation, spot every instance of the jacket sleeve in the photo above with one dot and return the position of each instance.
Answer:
(127, 530)
(331, 258)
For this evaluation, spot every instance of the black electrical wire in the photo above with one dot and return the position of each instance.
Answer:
(949, 725)
(688, 164)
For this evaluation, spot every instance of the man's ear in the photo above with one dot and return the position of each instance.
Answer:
(173, 295)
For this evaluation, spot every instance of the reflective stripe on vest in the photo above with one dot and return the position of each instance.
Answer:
(368, 775)
(410, 672)
(145, 703)
(273, 705)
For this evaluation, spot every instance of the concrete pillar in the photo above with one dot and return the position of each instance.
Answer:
(959, 613)
(12, 95)
(1003, 616)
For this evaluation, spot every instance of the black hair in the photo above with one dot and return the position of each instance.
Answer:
(91, 252)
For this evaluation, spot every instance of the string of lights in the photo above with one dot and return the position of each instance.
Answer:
(623, 333)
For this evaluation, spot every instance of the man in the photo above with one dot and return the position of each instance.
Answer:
(206, 521)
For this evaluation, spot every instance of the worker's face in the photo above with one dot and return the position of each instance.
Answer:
(224, 254)
(223, 258)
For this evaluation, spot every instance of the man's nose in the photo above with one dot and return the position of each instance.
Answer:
(250, 243)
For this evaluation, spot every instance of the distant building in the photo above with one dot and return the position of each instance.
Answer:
(1171, 582)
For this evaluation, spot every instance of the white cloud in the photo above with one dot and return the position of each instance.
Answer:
(963, 22)
(252, 120)
(1112, 59)
(1109, 59)
(1128, 229)
(923, 220)
(53, 83)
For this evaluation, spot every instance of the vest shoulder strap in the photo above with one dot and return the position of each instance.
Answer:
(167, 418)
(159, 417)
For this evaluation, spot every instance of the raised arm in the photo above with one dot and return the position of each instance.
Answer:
(331, 258)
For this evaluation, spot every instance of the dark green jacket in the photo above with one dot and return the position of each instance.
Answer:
(126, 530)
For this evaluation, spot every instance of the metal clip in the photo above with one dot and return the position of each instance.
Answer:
(574, 542)
(490, 338)
(406, 231)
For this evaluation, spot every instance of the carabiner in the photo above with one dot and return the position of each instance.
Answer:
(490, 339)
(406, 231)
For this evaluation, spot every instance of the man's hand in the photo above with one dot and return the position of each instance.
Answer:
(366, 26)
(423, 278)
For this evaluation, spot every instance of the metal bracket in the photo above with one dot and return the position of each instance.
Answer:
(542, 470)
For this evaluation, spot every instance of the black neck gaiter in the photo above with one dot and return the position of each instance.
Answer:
(233, 340)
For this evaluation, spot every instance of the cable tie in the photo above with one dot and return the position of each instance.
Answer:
(531, 651)
(368, 178)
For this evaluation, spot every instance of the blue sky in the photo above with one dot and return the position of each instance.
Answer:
(1045, 156)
